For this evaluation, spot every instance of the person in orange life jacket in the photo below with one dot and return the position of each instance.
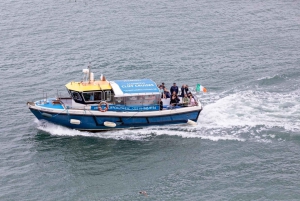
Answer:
(174, 88)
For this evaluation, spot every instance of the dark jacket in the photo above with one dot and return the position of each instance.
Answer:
(161, 106)
(184, 90)
(174, 101)
(174, 88)
(167, 94)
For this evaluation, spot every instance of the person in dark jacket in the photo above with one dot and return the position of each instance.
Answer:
(166, 93)
(174, 100)
(187, 89)
(174, 88)
(161, 106)
(184, 90)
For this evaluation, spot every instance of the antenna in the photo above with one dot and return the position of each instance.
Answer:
(89, 67)
(87, 73)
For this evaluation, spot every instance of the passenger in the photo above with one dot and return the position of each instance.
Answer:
(184, 90)
(91, 97)
(192, 100)
(177, 98)
(161, 106)
(174, 100)
(185, 100)
(161, 90)
(174, 88)
(166, 93)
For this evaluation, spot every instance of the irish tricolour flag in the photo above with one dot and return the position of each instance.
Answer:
(200, 88)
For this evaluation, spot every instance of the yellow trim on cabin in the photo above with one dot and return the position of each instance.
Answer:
(86, 86)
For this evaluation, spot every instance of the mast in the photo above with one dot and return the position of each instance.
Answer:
(89, 67)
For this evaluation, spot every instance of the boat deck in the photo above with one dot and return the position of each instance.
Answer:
(63, 103)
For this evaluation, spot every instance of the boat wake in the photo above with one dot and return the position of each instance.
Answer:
(241, 116)
(184, 131)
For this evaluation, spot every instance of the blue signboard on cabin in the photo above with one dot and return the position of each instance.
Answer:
(137, 86)
(128, 108)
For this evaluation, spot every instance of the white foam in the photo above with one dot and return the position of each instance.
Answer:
(252, 108)
(268, 77)
(184, 131)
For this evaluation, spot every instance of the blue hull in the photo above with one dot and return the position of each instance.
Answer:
(96, 123)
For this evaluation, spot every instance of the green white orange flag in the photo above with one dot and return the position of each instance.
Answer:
(200, 88)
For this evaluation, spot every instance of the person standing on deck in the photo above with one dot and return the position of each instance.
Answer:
(166, 94)
(161, 90)
(174, 88)
(161, 105)
(187, 89)
(184, 90)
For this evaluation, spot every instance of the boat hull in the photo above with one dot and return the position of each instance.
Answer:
(94, 120)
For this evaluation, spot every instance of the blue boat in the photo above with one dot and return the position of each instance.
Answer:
(96, 105)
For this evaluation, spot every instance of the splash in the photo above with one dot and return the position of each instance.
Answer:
(253, 108)
(147, 133)
(253, 115)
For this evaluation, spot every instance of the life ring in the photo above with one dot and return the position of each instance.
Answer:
(100, 108)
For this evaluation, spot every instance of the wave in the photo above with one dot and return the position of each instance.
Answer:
(253, 108)
(287, 82)
(183, 130)
(277, 76)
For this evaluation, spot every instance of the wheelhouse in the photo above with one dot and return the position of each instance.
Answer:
(90, 92)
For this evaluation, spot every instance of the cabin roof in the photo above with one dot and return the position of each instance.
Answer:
(134, 87)
(88, 86)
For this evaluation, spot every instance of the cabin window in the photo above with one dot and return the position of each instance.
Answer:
(150, 100)
(92, 96)
(76, 96)
(88, 96)
(98, 95)
(134, 100)
(107, 95)
(157, 99)
(142, 100)
(119, 100)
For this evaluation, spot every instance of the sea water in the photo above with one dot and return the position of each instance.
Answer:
(246, 145)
